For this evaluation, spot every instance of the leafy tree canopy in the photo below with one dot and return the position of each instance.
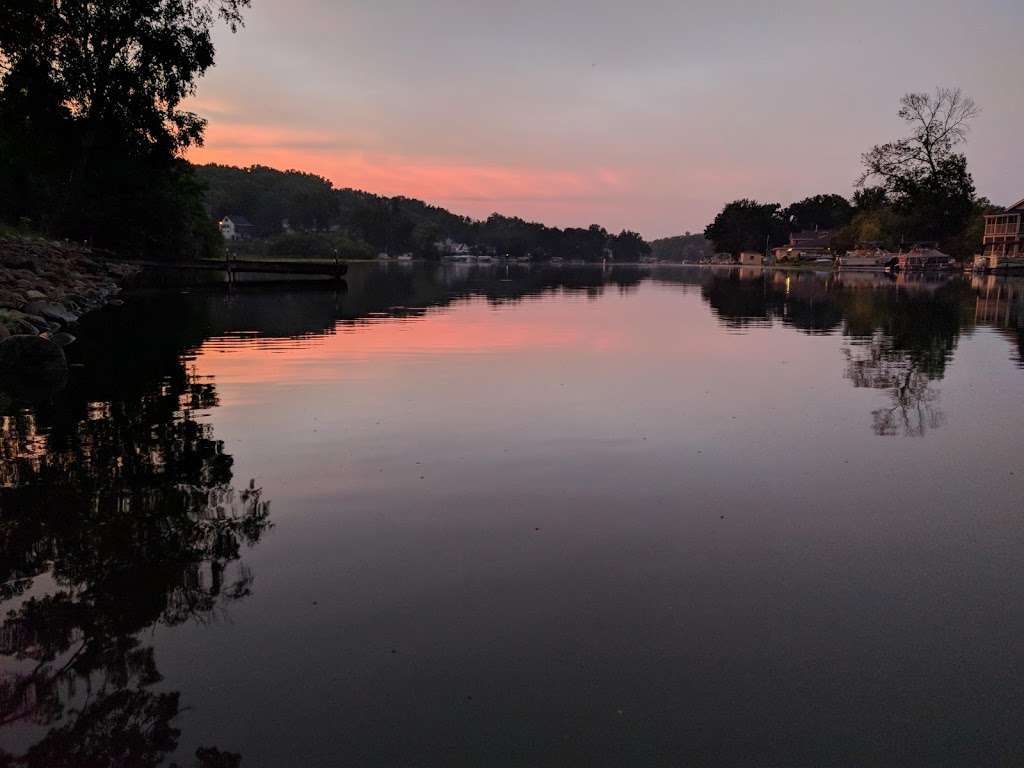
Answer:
(682, 248)
(818, 212)
(628, 246)
(922, 178)
(746, 225)
(91, 117)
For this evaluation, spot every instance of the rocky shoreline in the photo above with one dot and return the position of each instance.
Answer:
(45, 287)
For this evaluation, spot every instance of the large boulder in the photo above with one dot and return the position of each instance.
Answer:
(62, 338)
(50, 311)
(25, 356)
(13, 299)
(17, 322)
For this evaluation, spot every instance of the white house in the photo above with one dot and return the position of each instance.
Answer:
(235, 227)
(451, 248)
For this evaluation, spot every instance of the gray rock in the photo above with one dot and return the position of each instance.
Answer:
(40, 323)
(62, 338)
(32, 318)
(33, 295)
(4, 333)
(51, 311)
(19, 327)
(16, 322)
(12, 299)
(34, 357)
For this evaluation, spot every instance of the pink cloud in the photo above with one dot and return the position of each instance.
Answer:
(480, 187)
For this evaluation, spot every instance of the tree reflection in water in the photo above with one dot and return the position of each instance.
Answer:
(901, 333)
(111, 523)
(914, 403)
(901, 341)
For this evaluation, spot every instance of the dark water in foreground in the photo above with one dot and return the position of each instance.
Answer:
(524, 518)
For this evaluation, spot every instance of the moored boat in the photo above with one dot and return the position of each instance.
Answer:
(998, 264)
(875, 260)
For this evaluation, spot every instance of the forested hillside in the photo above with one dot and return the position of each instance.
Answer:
(305, 212)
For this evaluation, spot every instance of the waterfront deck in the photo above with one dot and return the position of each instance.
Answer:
(331, 270)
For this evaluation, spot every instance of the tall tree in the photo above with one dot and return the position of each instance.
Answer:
(584, 244)
(939, 122)
(628, 246)
(924, 178)
(745, 225)
(818, 212)
(104, 82)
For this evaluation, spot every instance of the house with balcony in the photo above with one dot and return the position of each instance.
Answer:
(809, 245)
(1004, 236)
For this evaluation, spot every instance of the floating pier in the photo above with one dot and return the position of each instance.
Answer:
(331, 270)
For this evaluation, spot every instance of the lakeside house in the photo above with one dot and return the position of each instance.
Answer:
(1004, 236)
(751, 259)
(235, 227)
(808, 245)
(452, 248)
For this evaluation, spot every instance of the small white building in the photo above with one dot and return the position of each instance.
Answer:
(449, 247)
(751, 259)
(235, 227)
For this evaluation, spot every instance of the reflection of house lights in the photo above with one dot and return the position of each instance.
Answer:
(788, 279)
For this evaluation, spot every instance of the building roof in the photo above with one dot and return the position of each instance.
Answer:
(811, 238)
(1019, 205)
(239, 221)
(929, 252)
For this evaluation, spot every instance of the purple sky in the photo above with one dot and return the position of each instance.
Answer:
(648, 115)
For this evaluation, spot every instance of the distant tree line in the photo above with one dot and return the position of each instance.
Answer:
(686, 248)
(305, 213)
(914, 190)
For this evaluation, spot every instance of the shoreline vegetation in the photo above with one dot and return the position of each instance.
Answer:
(45, 288)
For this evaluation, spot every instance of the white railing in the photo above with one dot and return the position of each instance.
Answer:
(1002, 226)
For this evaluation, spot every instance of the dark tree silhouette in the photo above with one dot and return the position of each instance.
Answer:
(90, 100)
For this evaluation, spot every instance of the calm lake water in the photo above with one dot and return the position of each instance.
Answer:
(523, 517)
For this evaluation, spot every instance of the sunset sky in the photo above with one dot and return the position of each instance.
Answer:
(647, 115)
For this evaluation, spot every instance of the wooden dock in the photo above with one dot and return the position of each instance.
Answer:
(332, 270)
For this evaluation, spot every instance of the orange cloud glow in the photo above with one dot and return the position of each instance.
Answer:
(428, 178)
